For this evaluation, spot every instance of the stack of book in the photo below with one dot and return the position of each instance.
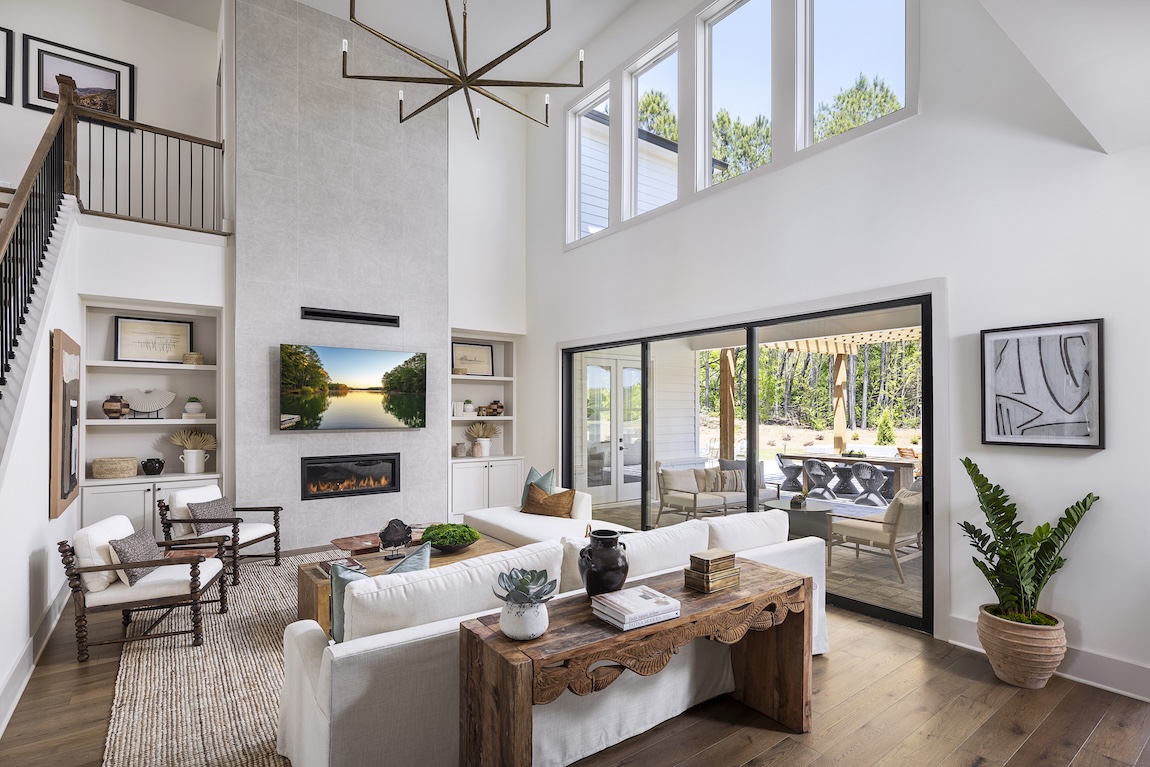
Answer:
(194, 416)
(634, 607)
(348, 562)
(711, 570)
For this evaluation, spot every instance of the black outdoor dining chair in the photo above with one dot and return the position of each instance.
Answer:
(871, 480)
(820, 475)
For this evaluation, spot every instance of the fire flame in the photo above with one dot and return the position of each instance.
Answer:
(350, 483)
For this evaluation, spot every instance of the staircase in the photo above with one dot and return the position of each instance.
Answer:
(6, 193)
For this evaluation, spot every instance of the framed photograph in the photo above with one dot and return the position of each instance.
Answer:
(144, 340)
(477, 358)
(102, 84)
(7, 57)
(1042, 385)
(64, 473)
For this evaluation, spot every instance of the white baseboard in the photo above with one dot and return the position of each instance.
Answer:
(22, 669)
(1094, 669)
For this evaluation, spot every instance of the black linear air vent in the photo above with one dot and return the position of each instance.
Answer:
(338, 315)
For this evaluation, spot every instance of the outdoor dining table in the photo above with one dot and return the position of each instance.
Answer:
(903, 467)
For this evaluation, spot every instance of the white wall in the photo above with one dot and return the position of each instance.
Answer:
(30, 567)
(993, 197)
(175, 67)
(487, 215)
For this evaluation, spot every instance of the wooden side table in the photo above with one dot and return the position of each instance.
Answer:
(765, 620)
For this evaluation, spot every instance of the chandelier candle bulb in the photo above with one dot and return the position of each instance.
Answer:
(345, 46)
(580, 55)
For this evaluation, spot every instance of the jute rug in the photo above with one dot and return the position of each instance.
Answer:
(215, 705)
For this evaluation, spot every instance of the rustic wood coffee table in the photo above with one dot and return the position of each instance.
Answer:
(765, 620)
(313, 594)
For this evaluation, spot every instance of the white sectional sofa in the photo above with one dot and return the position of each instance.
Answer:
(389, 694)
(508, 524)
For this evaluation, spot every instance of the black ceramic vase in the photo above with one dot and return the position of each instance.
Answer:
(152, 466)
(603, 563)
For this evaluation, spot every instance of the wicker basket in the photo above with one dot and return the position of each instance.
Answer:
(113, 468)
(193, 358)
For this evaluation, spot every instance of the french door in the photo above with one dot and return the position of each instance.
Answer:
(612, 394)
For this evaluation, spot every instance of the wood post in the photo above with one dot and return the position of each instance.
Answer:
(67, 90)
(840, 402)
(727, 404)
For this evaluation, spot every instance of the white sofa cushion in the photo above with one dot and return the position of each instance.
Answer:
(396, 601)
(508, 524)
(654, 550)
(748, 531)
(92, 550)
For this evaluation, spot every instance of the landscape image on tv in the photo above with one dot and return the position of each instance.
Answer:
(331, 388)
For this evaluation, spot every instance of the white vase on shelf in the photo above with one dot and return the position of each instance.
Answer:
(194, 461)
(484, 446)
(194, 407)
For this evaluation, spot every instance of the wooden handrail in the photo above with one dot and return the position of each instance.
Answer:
(24, 190)
(104, 117)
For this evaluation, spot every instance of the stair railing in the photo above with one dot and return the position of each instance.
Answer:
(27, 227)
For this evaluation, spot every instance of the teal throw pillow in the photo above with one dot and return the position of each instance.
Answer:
(546, 483)
(420, 559)
(340, 577)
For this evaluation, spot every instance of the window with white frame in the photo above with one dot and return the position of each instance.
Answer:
(655, 148)
(858, 63)
(592, 166)
(738, 40)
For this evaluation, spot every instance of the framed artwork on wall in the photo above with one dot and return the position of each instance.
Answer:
(478, 359)
(6, 63)
(1042, 385)
(102, 84)
(64, 473)
(144, 340)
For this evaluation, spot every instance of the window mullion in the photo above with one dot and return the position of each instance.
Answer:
(689, 135)
(617, 207)
(790, 67)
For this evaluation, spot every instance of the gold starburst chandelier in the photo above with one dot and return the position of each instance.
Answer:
(464, 80)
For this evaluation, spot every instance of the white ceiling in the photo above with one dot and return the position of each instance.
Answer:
(1095, 56)
(494, 26)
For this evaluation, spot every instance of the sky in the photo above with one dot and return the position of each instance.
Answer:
(358, 368)
(851, 36)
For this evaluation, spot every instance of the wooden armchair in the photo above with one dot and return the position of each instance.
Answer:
(181, 578)
(897, 531)
(679, 494)
(177, 522)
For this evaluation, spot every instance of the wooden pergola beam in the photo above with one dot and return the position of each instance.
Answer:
(727, 404)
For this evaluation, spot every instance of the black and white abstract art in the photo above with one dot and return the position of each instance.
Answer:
(1042, 385)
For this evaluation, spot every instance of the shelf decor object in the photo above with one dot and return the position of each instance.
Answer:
(147, 403)
(64, 474)
(476, 358)
(102, 84)
(1042, 385)
(115, 407)
(148, 340)
(114, 468)
(465, 78)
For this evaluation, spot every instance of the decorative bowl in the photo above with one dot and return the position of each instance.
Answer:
(452, 548)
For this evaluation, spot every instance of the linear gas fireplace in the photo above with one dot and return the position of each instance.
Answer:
(330, 476)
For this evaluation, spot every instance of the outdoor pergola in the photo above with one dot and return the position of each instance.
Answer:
(842, 345)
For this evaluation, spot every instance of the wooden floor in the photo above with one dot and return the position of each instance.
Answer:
(884, 696)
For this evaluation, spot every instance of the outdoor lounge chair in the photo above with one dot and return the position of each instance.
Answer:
(896, 531)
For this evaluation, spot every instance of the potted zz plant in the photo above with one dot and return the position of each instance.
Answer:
(524, 613)
(1024, 645)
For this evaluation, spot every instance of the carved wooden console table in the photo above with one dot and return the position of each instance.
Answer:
(500, 679)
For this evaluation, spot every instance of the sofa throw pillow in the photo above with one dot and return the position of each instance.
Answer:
(680, 480)
(340, 577)
(420, 559)
(905, 509)
(545, 481)
(733, 481)
(539, 502)
(220, 507)
(727, 464)
(708, 480)
(140, 546)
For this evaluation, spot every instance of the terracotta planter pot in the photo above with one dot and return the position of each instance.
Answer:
(1021, 654)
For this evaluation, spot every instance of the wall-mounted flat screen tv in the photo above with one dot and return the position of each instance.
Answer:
(332, 388)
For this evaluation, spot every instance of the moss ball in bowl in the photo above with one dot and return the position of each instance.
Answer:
(450, 538)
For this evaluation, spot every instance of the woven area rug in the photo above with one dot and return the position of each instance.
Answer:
(215, 705)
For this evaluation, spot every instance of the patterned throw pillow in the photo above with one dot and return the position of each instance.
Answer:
(220, 507)
(539, 502)
(140, 546)
(733, 481)
(708, 480)
(545, 481)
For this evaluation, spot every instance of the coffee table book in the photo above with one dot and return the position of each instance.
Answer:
(634, 604)
(348, 562)
(634, 623)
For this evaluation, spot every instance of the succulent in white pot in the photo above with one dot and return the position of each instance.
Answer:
(524, 613)
(194, 405)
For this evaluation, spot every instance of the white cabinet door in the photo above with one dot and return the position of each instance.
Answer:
(468, 486)
(133, 501)
(505, 482)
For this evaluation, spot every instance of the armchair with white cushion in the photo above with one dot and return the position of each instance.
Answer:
(178, 523)
(97, 577)
(896, 531)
